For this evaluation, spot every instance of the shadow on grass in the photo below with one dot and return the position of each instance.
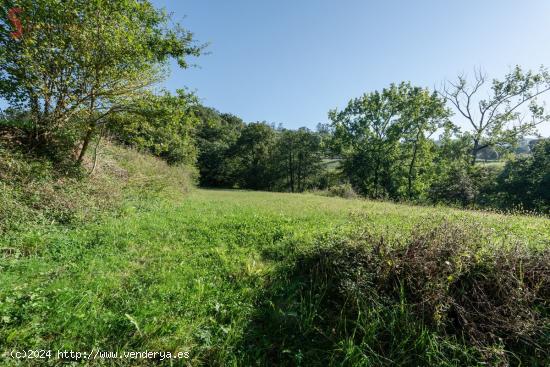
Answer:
(317, 312)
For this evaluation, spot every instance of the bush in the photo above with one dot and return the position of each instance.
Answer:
(343, 190)
(443, 298)
(465, 186)
(525, 182)
(18, 130)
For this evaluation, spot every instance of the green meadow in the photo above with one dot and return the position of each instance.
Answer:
(186, 272)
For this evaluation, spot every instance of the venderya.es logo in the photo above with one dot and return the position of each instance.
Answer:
(13, 16)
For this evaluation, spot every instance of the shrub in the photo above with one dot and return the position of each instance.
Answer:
(525, 182)
(443, 298)
(465, 186)
(343, 190)
(18, 130)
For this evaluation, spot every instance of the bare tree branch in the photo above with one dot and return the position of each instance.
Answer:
(503, 103)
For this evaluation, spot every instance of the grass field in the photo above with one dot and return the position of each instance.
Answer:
(185, 275)
(493, 164)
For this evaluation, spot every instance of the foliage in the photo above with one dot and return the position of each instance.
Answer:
(253, 155)
(509, 112)
(460, 184)
(525, 181)
(77, 62)
(298, 159)
(381, 132)
(216, 137)
(256, 156)
(162, 124)
(423, 113)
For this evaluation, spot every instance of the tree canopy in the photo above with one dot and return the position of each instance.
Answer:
(380, 132)
(509, 112)
(79, 61)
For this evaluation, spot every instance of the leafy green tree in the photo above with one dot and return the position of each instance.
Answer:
(216, 137)
(253, 157)
(380, 133)
(422, 113)
(162, 124)
(79, 61)
(525, 181)
(508, 113)
(298, 160)
(367, 133)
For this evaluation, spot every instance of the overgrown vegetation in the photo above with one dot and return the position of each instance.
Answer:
(198, 275)
(525, 181)
(105, 245)
(445, 297)
(38, 193)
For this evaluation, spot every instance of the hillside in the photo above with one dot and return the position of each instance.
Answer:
(37, 194)
(170, 270)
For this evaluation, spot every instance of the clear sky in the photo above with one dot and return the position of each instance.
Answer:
(291, 61)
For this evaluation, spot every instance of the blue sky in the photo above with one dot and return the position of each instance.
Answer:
(291, 61)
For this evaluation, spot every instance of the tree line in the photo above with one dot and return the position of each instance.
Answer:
(402, 143)
(79, 70)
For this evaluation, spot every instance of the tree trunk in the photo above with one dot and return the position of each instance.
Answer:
(85, 144)
(95, 150)
(411, 168)
(474, 152)
(301, 173)
(376, 176)
(412, 164)
(89, 133)
(35, 116)
(291, 170)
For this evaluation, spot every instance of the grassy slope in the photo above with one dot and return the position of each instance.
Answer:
(183, 275)
(37, 196)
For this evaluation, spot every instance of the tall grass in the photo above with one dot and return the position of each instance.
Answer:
(36, 192)
(445, 297)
